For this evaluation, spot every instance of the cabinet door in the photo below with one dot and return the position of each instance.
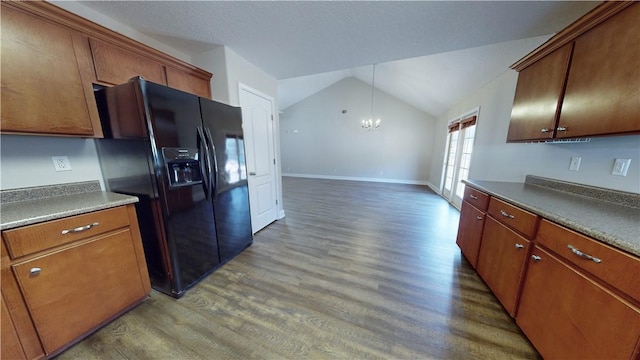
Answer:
(80, 287)
(115, 65)
(11, 348)
(603, 87)
(568, 316)
(42, 85)
(470, 232)
(501, 262)
(186, 82)
(538, 97)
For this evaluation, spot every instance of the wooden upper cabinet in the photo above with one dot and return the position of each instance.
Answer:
(585, 81)
(538, 97)
(603, 87)
(115, 65)
(186, 82)
(45, 86)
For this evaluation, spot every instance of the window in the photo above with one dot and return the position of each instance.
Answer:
(457, 161)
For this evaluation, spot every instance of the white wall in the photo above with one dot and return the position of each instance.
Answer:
(494, 159)
(26, 161)
(319, 140)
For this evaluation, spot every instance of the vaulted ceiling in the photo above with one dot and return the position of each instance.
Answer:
(429, 53)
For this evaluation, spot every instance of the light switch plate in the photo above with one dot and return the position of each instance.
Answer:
(61, 163)
(620, 167)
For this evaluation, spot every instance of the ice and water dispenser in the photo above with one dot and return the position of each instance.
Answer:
(183, 166)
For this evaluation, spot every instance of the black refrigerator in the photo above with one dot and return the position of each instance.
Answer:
(183, 157)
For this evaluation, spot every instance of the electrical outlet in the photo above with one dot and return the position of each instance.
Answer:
(61, 163)
(620, 167)
(575, 163)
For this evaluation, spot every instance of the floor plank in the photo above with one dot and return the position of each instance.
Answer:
(355, 270)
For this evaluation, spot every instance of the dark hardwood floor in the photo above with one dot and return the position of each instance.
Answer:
(356, 270)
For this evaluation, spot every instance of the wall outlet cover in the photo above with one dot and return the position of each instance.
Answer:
(61, 163)
(575, 163)
(620, 167)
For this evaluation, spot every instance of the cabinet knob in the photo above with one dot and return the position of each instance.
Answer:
(35, 271)
(544, 130)
(519, 246)
(535, 258)
(560, 128)
(478, 218)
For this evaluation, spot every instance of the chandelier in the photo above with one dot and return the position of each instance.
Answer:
(371, 123)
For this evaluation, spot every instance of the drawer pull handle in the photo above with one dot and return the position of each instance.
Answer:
(80, 228)
(506, 214)
(535, 258)
(519, 246)
(583, 255)
(560, 128)
(473, 197)
(478, 218)
(544, 130)
(35, 271)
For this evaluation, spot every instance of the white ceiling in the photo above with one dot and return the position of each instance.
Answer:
(308, 45)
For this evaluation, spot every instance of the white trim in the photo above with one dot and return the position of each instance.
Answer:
(354, 178)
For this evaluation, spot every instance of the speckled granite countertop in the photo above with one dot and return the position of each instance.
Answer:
(595, 212)
(28, 206)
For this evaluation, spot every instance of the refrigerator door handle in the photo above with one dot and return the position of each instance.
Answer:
(205, 163)
(214, 173)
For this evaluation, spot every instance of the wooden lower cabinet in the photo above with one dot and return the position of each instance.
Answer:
(566, 315)
(11, 347)
(62, 291)
(501, 262)
(470, 232)
(79, 287)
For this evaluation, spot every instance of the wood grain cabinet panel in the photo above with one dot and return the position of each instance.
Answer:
(61, 291)
(514, 217)
(470, 232)
(585, 81)
(476, 198)
(115, 65)
(11, 347)
(80, 287)
(186, 82)
(569, 316)
(501, 262)
(612, 266)
(538, 97)
(603, 87)
(44, 89)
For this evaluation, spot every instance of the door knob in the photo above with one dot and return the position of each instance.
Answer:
(252, 173)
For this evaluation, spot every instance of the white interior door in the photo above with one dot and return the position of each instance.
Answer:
(257, 119)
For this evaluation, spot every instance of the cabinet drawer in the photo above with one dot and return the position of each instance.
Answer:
(33, 238)
(609, 264)
(476, 198)
(514, 217)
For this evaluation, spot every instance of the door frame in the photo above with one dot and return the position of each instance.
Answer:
(452, 198)
(275, 138)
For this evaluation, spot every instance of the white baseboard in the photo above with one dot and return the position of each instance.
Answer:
(352, 178)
